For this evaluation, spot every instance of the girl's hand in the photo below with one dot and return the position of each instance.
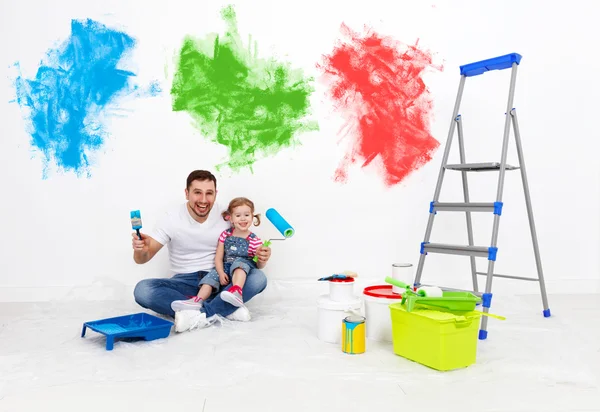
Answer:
(263, 253)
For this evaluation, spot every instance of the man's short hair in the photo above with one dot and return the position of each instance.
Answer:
(201, 175)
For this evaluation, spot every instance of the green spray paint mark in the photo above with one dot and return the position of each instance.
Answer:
(252, 106)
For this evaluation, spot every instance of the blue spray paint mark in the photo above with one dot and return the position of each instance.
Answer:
(70, 93)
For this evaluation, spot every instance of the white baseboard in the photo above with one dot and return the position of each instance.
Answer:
(97, 292)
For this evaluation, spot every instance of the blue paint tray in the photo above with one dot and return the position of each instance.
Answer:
(139, 325)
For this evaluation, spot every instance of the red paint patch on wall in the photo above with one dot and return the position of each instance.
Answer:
(377, 84)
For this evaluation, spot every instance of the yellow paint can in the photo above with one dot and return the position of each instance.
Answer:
(353, 335)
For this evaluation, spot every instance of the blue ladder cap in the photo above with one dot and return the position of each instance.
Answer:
(432, 207)
(495, 63)
(487, 300)
(498, 208)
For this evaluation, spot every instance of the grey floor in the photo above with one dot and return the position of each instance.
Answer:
(276, 363)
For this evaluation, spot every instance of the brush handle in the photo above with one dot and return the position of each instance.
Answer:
(138, 233)
(266, 244)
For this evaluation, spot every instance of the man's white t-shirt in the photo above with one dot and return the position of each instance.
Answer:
(192, 245)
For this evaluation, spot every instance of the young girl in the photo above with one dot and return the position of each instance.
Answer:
(236, 248)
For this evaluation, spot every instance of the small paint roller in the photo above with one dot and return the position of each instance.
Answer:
(424, 291)
(280, 224)
(136, 221)
(430, 292)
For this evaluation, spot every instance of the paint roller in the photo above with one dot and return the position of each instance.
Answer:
(280, 224)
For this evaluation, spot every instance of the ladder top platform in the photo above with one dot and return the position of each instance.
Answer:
(496, 63)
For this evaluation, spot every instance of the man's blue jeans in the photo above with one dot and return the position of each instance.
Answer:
(157, 294)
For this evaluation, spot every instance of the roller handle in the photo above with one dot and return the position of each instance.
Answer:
(403, 285)
(266, 244)
(396, 282)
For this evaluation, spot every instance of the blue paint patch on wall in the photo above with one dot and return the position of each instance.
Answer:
(71, 90)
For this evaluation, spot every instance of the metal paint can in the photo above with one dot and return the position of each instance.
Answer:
(353, 334)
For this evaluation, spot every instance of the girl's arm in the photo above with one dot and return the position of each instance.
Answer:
(219, 259)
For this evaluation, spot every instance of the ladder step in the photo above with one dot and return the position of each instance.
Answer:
(508, 276)
(479, 251)
(479, 167)
(495, 207)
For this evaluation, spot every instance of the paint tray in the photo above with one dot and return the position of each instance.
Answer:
(450, 300)
(138, 325)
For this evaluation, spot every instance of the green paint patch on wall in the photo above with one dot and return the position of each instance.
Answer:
(255, 107)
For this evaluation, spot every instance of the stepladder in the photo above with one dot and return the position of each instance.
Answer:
(512, 62)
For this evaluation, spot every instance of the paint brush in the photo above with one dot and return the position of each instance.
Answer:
(344, 275)
(136, 221)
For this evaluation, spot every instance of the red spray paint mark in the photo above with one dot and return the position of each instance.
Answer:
(376, 82)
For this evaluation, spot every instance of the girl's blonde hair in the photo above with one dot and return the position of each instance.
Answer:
(241, 201)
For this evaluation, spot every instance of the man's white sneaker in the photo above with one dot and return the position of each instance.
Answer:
(241, 315)
(190, 319)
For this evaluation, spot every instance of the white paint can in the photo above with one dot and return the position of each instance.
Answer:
(341, 290)
(331, 314)
(379, 321)
(404, 273)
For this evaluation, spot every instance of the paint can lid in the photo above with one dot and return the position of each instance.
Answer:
(381, 291)
(341, 280)
(355, 319)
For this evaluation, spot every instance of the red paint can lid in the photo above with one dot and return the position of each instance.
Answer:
(346, 280)
(381, 291)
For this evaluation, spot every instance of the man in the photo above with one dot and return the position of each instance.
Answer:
(191, 232)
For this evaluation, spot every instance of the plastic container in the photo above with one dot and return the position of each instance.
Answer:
(331, 315)
(139, 325)
(377, 300)
(341, 290)
(437, 339)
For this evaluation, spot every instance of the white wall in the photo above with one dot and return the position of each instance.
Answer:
(67, 237)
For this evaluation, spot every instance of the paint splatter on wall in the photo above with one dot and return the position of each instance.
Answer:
(70, 92)
(377, 84)
(252, 106)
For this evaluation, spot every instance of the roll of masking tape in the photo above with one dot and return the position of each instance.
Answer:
(430, 292)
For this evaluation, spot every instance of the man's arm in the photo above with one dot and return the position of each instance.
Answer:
(145, 249)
